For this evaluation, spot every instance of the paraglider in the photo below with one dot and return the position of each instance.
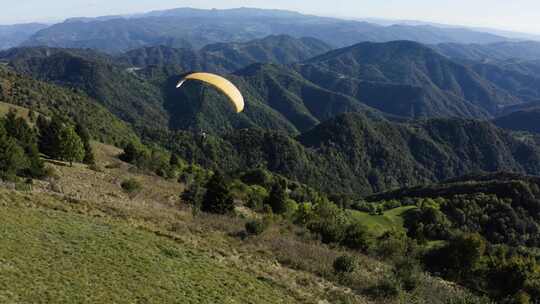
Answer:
(220, 83)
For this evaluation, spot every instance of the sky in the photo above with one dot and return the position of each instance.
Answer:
(517, 15)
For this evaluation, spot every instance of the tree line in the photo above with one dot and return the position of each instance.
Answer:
(23, 144)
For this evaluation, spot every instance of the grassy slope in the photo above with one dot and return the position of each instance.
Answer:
(49, 256)
(6, 107)
(378, 224)
(79, 238)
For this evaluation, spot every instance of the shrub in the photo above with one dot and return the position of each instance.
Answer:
(391, 245)
(344, 264)
(303, 214)
(194, 195)
(259, 177)
(278, 199)
(459, 257)
(329, 221)
(387, 288)
(408, 272)
(255, 227)
(218, 198)
(356, 237)
(131, 185)
(256, 197)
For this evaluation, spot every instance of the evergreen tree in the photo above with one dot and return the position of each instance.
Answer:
(12, 158)
(218, 198)
(70, 145)
(18, 129)
(278, 198)
(194, 195)
(82, 131)
(49, 134)
(175, 161)
(130, 154)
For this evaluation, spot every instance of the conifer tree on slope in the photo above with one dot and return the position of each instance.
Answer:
(218, 198)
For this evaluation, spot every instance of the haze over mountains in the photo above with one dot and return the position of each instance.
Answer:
(186, 27)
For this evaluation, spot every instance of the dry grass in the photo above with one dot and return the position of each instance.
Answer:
(104, 185)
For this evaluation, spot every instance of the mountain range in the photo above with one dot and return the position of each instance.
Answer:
(14, 35)
(196, 28)
(412, 105)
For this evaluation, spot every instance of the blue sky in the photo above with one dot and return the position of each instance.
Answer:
(522, 15)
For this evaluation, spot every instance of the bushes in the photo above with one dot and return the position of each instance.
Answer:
(194, 195)
(344, 264)
(278, 198)
(408, 272)
(356, 237)
(131, 186)
(256, 197)
(218, 198)
(387, 288)
(19, 154)
(59, 140)
(427, 222)
(459, 257)
(153, 160)
(255, 227)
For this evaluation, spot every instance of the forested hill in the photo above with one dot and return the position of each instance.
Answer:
(522, 120)
(129, 98)
(359, 155)
(50, 100)
(447, 88)
(332, 121)
(229, 57)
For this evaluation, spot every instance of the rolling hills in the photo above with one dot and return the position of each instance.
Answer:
(299, 120)
(49, 99)
(185, 27)
(449, 87)
(521, 120)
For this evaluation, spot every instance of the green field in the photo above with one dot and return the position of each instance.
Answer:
(49, 256)
(391, 220)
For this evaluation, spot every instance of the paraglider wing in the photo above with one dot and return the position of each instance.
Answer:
(220, 83)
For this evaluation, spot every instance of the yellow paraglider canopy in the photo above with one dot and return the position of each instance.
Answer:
(220, 83)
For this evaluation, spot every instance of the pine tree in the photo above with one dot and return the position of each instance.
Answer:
(12, 158)
(278, 198)
(70, 145)
(18, 129)
(218, 198)
(82, 131)
(130, 153)
(49, 134)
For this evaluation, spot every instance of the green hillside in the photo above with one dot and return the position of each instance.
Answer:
(48, 99)
(524, 120)
(111, 261)
(448, 85)
(389, 221)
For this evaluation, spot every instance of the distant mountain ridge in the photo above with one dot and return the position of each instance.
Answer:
(13, 35)
(433, 84)
(400, 79)
(186, 27)
(229, 57)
